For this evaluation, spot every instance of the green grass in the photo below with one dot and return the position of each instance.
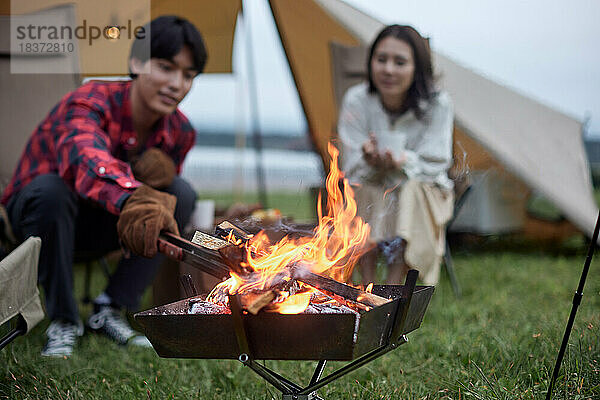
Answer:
(499, 341)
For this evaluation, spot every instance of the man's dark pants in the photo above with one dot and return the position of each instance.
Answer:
(70, 226)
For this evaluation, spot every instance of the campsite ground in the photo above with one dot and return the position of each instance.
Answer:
(500, 340)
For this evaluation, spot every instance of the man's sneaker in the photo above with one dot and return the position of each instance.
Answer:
(61, 338)
(109, 321)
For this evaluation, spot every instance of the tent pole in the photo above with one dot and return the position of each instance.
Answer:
(260, 174)
(576, 302)
(240, 129)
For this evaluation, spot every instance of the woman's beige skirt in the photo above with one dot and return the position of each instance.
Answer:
(416, 211)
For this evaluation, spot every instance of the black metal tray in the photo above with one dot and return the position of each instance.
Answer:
(176, 334)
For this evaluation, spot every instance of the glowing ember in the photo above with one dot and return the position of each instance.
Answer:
(334, 248)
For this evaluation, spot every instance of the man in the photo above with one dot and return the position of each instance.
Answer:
(101, 171)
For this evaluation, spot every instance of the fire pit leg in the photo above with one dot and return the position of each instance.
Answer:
(318, 372)
(311, 396)
(396, 338)
(285, 386)
(292, 391)
(289, 390)
(359, 362)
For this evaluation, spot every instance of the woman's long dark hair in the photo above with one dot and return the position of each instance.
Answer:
(422, 87)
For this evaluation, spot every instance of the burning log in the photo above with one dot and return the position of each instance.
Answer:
(233, 255)
(208, 254)
(253, 302)
(226, 229)
(339, 289)
(333, 246)
(235, 258)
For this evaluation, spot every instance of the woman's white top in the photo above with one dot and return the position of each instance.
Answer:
(426, 143)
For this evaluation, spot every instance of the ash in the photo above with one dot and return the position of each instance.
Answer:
(329, 308)
(206, 307)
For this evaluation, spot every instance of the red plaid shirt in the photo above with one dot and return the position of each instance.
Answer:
(86, 139)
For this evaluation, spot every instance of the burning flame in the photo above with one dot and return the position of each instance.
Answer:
(334, 248)
(293, 304)
(231, 238)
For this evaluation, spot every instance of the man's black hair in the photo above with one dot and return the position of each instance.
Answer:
(168, 35)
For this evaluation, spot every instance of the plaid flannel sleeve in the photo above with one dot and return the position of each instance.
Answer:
(84, 158)
(186, 140)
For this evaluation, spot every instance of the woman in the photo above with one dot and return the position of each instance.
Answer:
(396, 137)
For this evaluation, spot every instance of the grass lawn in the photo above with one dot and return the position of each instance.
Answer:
(499, 341)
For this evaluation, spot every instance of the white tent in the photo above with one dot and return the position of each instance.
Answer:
(514, 145)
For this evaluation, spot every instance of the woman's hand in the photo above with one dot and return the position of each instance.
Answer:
(383, 161)
(371, 152)
(389, 163)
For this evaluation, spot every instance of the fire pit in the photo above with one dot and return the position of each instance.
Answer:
(175, 333)
(287, 299)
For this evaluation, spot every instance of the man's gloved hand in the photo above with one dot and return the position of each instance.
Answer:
(154, 168)
(143, 216)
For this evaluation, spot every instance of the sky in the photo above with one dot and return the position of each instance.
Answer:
(547, 50)
(223, 101)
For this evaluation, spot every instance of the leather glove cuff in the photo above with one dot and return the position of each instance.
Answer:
(154, 168)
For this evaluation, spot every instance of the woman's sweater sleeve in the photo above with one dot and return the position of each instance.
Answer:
(432, 156)
(353, 133)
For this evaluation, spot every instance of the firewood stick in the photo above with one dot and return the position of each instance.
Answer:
(296, 272)
(254, 302)
(235, 258)
(201, 257)
(329, 285)
(226, 227)
(325, 284)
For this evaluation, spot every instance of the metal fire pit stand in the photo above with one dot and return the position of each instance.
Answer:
(293, 391)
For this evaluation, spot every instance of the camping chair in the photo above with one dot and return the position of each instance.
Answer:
(349, 68)
(19, 295)
(462, 186)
